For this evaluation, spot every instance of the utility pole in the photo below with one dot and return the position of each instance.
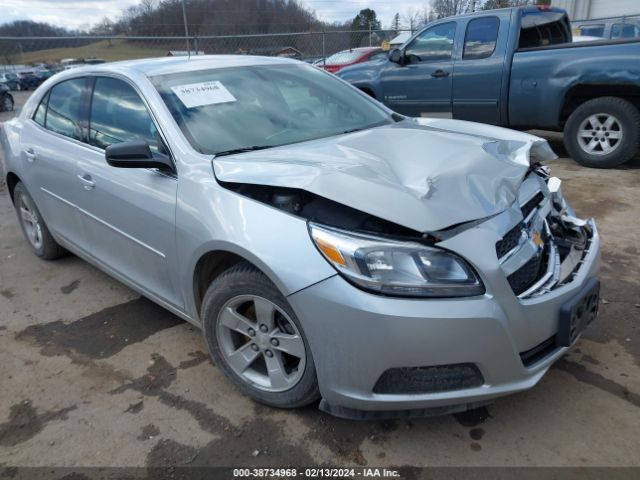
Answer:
(370, 26)
(186, 27)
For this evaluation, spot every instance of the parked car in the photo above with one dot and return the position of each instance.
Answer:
(10, 79)
(335, 249)
(518, 68)
(43, 75)
(608, 28)
(339, 60)
(6, 99)
(28, 81)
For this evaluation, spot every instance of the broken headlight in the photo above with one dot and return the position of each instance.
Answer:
(390, 267)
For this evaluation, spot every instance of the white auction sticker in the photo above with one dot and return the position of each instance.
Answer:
(205, 93)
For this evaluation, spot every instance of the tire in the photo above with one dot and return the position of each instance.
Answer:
(609, 152)
(42, 244)
(235, 291)
(7, 104)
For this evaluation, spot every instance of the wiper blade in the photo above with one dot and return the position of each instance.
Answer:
(242, 150)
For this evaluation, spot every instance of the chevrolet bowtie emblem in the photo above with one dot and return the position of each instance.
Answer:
(537, 239)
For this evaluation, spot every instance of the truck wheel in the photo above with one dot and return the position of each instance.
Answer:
(256, 339)
(603, 132)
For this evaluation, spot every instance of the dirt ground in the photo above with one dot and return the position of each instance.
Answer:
(91, 374)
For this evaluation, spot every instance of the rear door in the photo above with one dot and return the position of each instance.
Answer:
(479, 71)
(51, 144)
(128, 213)
(422, 85)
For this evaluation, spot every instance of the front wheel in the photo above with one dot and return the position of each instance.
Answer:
(603, 132)
(256, 339)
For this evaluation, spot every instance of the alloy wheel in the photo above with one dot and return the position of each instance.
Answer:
(600, 134)
(261, 343)
(30, 222)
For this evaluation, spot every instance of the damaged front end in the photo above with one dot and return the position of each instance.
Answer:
(546, 249)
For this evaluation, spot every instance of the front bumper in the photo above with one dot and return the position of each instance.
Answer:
(356, 336)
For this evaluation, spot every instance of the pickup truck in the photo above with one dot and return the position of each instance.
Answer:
(517, 68)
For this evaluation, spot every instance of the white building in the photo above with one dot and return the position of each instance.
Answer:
(587, 9)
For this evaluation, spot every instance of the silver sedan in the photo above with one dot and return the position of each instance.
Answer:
(328, 247)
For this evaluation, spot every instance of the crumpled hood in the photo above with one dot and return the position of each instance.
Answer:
(426, 174)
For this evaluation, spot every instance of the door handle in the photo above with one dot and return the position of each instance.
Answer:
(30, 155)
(86, 181)
(440, 74)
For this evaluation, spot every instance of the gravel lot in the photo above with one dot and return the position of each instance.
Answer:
(93, 375)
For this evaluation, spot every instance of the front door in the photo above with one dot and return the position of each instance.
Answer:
(421, 85)
(478, 82)
(128, 213)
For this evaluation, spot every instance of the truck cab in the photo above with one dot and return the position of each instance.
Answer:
(458, 67)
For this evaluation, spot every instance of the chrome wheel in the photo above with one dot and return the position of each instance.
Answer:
(600, 134)
(30, 222)
(7, 104)
(261, 343)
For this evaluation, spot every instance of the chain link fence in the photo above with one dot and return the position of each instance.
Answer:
(19, 52)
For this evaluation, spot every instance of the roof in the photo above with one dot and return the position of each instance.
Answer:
(274, 50)
(184, 53)
(401, 38)
(164, 65)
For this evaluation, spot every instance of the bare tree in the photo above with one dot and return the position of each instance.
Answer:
(412, 19)
(447, 8)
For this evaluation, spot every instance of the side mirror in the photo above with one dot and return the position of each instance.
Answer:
(136, 154)
(396, 56)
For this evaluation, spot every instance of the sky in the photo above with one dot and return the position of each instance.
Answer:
(82, 14)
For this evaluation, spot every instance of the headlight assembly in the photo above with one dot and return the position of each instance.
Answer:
(389, 267)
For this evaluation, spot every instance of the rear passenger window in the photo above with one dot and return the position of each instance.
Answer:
(481, 37)
(64, 112)
(118, 114)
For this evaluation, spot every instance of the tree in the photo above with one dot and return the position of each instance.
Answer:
(395, 23)
(447, 8)
(366, 20)
(491, 4)
(412, 19)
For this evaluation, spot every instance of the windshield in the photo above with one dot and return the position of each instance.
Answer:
(230, 109)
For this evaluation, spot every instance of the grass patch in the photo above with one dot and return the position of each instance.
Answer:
(108, 50)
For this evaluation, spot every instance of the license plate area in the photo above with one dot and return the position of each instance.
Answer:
(578, 312)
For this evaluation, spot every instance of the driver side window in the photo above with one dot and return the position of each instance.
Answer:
(435, 43)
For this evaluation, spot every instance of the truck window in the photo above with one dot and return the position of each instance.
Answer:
(596, 30)
(480, 38)
(435, 43)
(624, 30)
(542, 28)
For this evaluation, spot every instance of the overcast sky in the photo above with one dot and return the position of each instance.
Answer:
(85, 13)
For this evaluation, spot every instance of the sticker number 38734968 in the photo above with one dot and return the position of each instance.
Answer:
(204, 93)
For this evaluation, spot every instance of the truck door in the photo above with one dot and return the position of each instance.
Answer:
(478, 79)
(421, 83)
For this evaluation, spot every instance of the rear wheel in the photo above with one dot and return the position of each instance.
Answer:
(603, 132)
(256, 339)
(35, 230)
